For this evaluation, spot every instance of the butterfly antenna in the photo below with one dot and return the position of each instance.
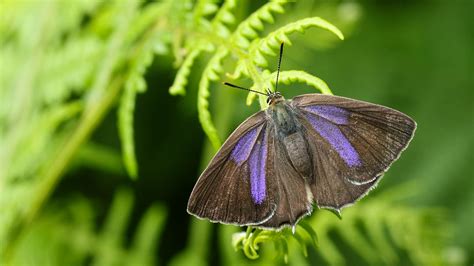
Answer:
(279, 64)
(242, 88)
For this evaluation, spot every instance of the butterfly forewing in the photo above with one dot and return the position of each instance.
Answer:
(236, 187)
(352, 144)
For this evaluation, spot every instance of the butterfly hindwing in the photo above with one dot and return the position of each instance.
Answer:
(352, 144)
(294, 201)
(236, 187)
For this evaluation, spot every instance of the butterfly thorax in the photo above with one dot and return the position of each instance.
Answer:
(288, 131)
(282, 117)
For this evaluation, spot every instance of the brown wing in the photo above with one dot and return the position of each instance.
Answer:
(352, 144)
(294, 200)
(236, 188)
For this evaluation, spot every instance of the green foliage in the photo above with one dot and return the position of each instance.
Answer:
(378, 225)
(127, 105)
(248, 48)
(72, 238)
(270, 44)
(288, 77)
(63, 78)
(247, 29)
(134, 84)
(181, 79)
(374, 226)
(249, 241)
(67, 64)
(211, 73)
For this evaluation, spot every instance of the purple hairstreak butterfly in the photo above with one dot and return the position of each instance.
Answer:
(314, 149)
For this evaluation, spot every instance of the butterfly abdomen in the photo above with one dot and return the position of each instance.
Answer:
(289, 134)
(297, 151)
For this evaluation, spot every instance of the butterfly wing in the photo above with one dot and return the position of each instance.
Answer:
(236, 187)
(294, 200)
(352, 144)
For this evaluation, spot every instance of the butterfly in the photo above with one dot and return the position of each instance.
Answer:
(313, 149)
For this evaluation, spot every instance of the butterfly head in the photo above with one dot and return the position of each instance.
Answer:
(274, 97)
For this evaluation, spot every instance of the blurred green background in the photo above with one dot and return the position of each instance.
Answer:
(73, 75)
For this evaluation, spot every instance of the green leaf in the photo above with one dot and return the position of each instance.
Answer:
(224, 18)
(255, 22)
(181, 79)
(291, 76)
(271, 43)
(147, 236)
(115, 225)
(125, 125)
(210, 73)
(308, 229)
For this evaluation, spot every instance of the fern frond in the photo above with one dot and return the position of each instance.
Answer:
(292, 76)
(288, 77)
(181, 79)
(211, 73)
(248, 28)
(418, 232)
(134, 84)
(203, 8)
(219, 24)
(269, 45)
(223, 18)
(64, 73)
(249, 242)
(125, 126)
(149, 15)
(397, 226)
(33, 151)
(240, 69)
(181, 21)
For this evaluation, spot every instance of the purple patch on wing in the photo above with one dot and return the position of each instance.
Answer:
(336, 138)
(257, 163)
(244, 146)
(334, 114)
